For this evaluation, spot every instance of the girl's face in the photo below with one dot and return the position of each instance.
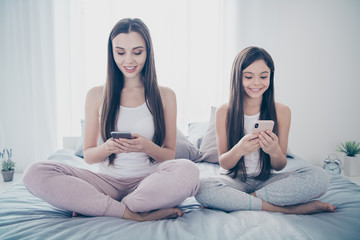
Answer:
(256, 79)
(129, 52)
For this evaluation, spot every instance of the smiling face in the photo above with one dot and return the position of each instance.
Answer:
(129, 52)
(256, 79)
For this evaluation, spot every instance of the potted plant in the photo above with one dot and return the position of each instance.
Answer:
(8, 165)
(352, 159)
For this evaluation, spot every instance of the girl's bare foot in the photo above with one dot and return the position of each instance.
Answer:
(305, 208)
(312, 207)
(167, 213)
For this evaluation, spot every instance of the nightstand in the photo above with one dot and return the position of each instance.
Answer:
(355, 180)
(4, 185)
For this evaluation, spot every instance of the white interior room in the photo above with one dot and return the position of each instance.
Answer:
(53, 52)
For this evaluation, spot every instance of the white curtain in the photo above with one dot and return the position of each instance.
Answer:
(53, 52)
(28, 122)
(188, 42)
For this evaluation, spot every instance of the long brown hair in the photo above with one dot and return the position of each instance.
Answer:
(235, 114)
(115, 83)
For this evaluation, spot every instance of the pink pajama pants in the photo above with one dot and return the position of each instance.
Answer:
(96, 194)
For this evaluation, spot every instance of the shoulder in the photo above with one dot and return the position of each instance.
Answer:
(167, 94)
(222, 110)
(95, 95)
(282, 111)
(221, 113)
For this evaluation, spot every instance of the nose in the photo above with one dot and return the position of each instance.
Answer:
(257, 79)
(128, 58)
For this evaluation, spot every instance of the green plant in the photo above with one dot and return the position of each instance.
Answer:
(350, 148)
(7, 164)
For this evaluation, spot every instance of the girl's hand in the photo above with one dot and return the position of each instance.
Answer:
(248, 144)
(269, 142)
(137, 144)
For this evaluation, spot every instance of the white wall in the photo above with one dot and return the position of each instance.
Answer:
(315, 46)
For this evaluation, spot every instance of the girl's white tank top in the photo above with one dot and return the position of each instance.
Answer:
(251, 160)
(137, 120)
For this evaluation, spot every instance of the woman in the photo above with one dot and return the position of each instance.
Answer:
(247, 160)
(137, 177)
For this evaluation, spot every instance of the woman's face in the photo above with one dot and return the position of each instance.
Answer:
(256, 79)
(129, 52)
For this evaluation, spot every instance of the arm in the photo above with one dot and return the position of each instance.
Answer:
(276, 146)
(229, 158)
(92, 152)
(167, 150)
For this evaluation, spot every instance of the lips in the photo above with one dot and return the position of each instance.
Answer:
(255, 90)
(130, 69)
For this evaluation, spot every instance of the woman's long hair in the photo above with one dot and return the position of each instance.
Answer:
(115, 84)
(235, 114)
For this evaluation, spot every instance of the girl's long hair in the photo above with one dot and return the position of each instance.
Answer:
(235, 114)
(115, 83)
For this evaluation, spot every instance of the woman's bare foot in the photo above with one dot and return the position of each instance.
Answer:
(75, 214)
(305, 208)
(167, 213)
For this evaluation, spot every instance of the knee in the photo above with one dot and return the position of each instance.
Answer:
(320, 180)
(187, 174)
(206, 188)
(33, 175)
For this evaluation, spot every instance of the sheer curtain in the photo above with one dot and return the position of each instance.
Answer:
(188, 43)
(53, 52)
(28, 122)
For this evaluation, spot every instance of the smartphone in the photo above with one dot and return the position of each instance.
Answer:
(121, 134)
(262, 126)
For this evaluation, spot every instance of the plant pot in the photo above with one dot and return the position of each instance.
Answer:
(8, 176)
(352, 166)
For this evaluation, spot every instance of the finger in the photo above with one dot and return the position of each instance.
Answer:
(265, 138)
(271, 134)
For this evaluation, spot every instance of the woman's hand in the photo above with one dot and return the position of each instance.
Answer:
(137, 144)
(113, 146)
(269, 142)
(248, 144)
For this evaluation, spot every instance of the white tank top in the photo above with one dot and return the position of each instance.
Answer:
(251, 160)
(137, 120)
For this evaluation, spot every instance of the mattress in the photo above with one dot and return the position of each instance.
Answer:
(24, 216)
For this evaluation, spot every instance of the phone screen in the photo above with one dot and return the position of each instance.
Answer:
(121, 135)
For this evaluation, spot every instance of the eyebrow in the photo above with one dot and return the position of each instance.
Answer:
(133, 48)
(259, 73)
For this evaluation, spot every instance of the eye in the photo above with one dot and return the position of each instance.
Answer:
(138, 53)
(263, 77)
(248, 77)
(120, 53)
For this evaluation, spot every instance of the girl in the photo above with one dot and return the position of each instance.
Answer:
(247, 160)
(137, 179)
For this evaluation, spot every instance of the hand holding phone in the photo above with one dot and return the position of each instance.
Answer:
(262, 126)
(121, 134)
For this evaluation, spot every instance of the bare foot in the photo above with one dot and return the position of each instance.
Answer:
(311, 207)
(75, 214)
(167, 213)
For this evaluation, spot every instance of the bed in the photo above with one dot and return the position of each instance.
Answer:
(24, 216)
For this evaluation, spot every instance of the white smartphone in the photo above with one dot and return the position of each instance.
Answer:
(262, 126)
(121, 134)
